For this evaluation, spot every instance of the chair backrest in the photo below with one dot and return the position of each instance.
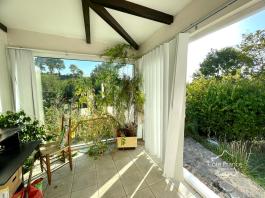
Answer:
(65, 136)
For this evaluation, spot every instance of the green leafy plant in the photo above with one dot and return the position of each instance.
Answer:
(120, 55)
(100, 129)
(232, 108)
(129, 94)
(31, 130)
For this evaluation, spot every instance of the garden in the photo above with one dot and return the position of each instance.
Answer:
(102, 106)
(225, 107)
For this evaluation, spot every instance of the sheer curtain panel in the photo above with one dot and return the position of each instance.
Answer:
(164, 75)
(25, 83)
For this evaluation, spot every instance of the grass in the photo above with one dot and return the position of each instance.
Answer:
(247, 157)
(256, 168)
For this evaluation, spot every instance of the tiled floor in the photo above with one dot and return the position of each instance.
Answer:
(125, 173)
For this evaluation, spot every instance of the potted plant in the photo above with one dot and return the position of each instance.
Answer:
(130, 98)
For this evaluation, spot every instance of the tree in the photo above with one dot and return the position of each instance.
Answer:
(40, 62)
(51, 63)
(225, 61)
(253, 45)
(106, 83)
(76, 72)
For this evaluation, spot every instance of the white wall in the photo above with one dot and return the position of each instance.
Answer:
(5, 83)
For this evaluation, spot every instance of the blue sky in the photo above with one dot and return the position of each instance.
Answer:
(86, 66)
(227, 37)
(253, 23)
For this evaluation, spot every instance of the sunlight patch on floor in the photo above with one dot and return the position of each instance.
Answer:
(103, 189)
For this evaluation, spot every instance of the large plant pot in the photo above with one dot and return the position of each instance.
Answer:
(126, 142)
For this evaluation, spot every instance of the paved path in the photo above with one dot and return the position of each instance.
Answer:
(217, 174)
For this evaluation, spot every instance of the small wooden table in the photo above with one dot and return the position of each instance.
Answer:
(12, 160)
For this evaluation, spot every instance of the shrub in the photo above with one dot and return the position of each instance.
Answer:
(31, 130)
(231, 108)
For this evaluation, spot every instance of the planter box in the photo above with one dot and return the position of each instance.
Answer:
(126, 142)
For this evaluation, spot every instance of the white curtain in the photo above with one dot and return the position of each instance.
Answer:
(173, 164)
(26, 83)
(164, 74)
(6, 96)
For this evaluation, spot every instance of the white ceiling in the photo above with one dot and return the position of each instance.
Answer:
(65, 18)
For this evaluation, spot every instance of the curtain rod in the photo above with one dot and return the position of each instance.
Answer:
(55, 52)
(212, 13)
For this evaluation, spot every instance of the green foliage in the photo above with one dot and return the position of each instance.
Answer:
(226, 101)
(98, 129)
(30, 129)
(130, 95)
(120, 55)
(104, 88)
(84, 93)
(253, 45)
(231, 109)
(223, 62)
(97, 150)
(106, 83)
(52, 89)
(53, 116)
(76, 72)
(51, 64)
(95, 128)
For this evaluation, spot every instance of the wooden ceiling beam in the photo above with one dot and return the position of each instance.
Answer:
(135, 9)
(3, 27)
(105, 15)
(86, 16)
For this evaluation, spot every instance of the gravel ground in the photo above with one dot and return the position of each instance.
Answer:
(218, 175)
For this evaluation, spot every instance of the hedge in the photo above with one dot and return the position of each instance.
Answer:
(229, 108)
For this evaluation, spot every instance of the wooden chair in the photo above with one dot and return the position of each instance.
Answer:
(54, 151)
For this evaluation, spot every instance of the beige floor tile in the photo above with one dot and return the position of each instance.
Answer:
(116, 176)
(112, 190)
(136, 152)
(123, 162)
(128, 169)
(144, 165)
(119, 155)
(59, 187)
(84, 180)
(154, 175)
(106, 169)
(104, 164)
(132, 182)
(106, 174)
(164, 190)
(84, 165)
(143, 193)
(91, 191)
(64, 196)
(62, 172)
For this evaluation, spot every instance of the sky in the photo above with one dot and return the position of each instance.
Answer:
(229, 36)
(198, 49)
(88, 66)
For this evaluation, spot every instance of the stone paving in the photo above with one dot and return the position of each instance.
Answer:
(122, 174)
(217, 174)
